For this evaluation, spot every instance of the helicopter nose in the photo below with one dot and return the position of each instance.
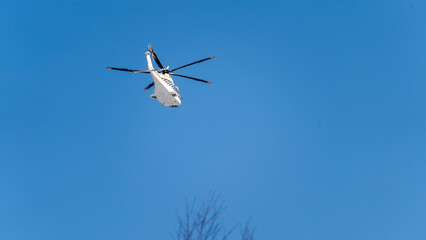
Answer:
(177, 101)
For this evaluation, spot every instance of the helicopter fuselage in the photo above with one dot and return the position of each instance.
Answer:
(165, 91)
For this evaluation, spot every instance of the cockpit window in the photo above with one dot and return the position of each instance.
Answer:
(175, 88)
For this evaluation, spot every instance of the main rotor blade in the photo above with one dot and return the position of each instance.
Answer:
(148, 71)
(187, 65)
(149, 86)
(154, 55)
(196, 79)
(134, 70)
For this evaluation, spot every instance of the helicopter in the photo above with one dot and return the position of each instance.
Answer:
(165, 91)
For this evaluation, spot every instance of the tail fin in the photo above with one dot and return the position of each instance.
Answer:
(154, 55)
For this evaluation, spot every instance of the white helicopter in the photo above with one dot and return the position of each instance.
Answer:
(165, 91)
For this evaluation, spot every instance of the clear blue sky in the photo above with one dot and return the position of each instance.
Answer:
(315, 124)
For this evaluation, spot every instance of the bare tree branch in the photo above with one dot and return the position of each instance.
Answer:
(247, 233)
(204, 222)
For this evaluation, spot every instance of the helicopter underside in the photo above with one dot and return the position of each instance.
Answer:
(165, 91)
(167, 100)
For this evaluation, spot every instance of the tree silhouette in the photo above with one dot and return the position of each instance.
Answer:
(205, 222)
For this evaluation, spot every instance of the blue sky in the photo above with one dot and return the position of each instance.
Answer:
(314, 125)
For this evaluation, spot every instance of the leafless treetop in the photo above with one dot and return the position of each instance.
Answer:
(205, 222)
